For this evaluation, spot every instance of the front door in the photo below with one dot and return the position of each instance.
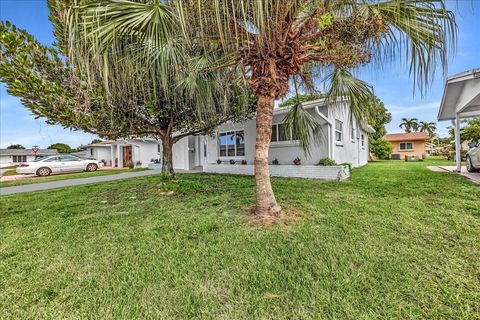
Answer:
(127, 155)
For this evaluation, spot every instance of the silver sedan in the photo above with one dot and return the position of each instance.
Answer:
(44, 166)
(473, 157)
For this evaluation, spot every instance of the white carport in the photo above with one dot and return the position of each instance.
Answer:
(461, 100)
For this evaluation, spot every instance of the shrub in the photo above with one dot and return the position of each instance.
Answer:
(381, 148)
(130, 164)
(297, 161)
(138, 164)
(326, 162)
(232, 161)
(219, 161)
(275, 162)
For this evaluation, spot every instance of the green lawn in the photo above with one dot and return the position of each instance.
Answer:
(397, 241)
(65, 176)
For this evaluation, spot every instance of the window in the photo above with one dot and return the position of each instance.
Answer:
(91, 151)
(352, 130)
(69, 158)
(232, 144)
(363, 140)
(19, 158)
(338, 131)
(406, 146)
(279, 134)
(159, 148)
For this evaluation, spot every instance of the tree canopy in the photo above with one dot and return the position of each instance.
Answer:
(61, 147)
(15, 146)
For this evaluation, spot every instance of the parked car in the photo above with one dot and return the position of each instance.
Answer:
(473, 157)
(44, 166)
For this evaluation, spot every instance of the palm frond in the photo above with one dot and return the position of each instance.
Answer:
(300, 125)
(343, 85)
(422, 33)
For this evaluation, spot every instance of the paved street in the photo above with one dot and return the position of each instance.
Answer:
(74, 182)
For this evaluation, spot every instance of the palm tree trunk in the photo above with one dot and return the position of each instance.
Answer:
(167, 156)
(266, 204)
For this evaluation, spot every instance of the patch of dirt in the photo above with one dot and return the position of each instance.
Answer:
(288, 216)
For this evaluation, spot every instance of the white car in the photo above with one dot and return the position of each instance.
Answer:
(44, 166)
(473, 157)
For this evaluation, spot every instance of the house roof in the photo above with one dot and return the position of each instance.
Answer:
(461, 96)
(318, 103)
(27, 152)
(106, 143)
(407, 136)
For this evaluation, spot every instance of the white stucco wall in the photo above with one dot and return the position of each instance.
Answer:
(144, 151)
(350, 151)
(8, 160)
(292, 171)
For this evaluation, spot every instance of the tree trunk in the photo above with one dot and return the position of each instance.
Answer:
(167, 156)
(266, 204)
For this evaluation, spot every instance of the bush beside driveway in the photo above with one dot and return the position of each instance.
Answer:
(396, 241)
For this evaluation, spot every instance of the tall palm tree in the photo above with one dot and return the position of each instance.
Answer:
(275, 41)
(428, 127)
(409, 124)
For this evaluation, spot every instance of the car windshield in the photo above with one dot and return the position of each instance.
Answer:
(39, 158)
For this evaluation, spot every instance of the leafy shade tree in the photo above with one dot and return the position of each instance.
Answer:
(428, 127)
(470, 131)
(61, 148)
(378, 116)
(111, 98)
(381, 148)
(15, 146)
(409, 124)
(274, 41)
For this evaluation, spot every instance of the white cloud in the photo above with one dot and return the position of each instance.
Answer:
(410, 110)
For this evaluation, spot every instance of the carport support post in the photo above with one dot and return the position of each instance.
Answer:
(458, 156)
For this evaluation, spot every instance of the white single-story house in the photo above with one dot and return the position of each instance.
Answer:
(10, 157)
(342, 138)
(461, 100)
(141, 152)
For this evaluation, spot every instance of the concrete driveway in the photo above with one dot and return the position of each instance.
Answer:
(473, 176)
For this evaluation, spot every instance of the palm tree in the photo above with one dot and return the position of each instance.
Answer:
(428, 127)
(275, 41)
(409, 124)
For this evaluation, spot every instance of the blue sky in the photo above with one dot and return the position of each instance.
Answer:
(392, 85)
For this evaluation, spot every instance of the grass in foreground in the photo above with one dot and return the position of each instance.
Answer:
(64, 176)
(397, 241)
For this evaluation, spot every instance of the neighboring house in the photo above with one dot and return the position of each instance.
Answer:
(140, 152)
(409, 144)
(15, 156)
(341, 138)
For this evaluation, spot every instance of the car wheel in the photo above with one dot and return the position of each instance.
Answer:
(92, 167)
(470, 167)
(43, 172)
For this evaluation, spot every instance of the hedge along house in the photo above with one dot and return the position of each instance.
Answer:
(342, 138)
(461, 100)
